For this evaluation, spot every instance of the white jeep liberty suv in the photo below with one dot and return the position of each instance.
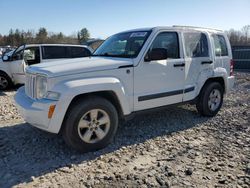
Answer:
(135, 70)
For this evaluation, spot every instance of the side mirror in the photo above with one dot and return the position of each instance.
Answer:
(6, 58)
(156, 54)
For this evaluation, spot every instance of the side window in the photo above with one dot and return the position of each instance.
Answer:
(220, 45)
(169, 41)
(79, 52)
(55, 52)
(31, 55)
(196, 45)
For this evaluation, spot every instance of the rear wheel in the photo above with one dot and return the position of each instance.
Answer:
(210, 99)
(91, 124)
(5, 81)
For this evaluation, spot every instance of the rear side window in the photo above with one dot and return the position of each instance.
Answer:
(220, 45)
(55, 52)
(196, 45)
(169, 41)
(79, 52)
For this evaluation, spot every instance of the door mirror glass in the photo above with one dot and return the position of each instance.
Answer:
(157, 54)
(6, 58)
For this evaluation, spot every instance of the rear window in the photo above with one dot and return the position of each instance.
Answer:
(220, 45)
(196, 45)
(79, 52)
(55, 52)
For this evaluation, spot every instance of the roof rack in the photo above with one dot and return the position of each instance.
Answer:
(193, 27)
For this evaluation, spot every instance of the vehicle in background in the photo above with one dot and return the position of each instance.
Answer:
(5, 49)
(93, 43)
(13, 64)
(132, 71)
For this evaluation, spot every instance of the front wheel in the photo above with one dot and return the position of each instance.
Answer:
(210, 99)
(91, 124)
(5, 81)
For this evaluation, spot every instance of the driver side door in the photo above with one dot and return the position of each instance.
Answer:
(160, 82)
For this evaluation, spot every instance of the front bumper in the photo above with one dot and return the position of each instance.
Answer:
(35, 112)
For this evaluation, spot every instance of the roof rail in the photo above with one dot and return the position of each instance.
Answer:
(193, 27)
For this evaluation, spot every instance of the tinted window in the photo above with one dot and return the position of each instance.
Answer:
(220, 45)
(196, 45)
(79, 52)
(55, 52)
(169, 41)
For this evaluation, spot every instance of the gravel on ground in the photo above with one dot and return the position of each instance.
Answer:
(171, 148)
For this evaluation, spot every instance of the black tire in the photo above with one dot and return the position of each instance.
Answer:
(203, 99)
(70, 128)
(9, 83)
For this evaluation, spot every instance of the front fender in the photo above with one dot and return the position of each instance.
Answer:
(72, 88)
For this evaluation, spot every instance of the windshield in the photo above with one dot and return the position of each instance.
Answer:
(127, 45)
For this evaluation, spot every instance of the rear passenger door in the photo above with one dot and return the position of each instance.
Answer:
(198, 58)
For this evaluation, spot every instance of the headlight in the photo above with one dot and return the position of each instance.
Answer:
(41, 86)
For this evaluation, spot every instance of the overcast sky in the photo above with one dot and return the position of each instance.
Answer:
(105, 17)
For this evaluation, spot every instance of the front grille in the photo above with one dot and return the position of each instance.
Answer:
(30, 85)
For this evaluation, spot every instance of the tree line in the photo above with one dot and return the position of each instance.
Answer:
(239, 37)
(17, 37)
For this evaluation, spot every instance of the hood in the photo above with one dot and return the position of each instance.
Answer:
(78, 65)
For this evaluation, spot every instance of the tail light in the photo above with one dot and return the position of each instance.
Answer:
(231, 67)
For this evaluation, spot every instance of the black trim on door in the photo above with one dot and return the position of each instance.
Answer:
(166, 94)
(206, 62)
(179, 65)
(125, 66)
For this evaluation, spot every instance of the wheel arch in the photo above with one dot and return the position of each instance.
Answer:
(9, 79)
(108, 95)
(4, 72)
(220, 80)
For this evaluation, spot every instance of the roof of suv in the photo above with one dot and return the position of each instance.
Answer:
(177, 27)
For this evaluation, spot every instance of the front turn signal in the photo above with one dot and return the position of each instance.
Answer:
(51, 111)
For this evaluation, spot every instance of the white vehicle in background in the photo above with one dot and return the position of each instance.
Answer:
(13, 64)
(132, 71)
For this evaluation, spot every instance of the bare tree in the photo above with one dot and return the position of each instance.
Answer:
(246, 33)
(241, 37)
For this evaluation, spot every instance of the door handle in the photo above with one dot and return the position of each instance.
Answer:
(179, 65)
(206, 62)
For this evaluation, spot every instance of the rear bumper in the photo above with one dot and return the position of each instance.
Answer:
(35, 112)
(230, 83)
